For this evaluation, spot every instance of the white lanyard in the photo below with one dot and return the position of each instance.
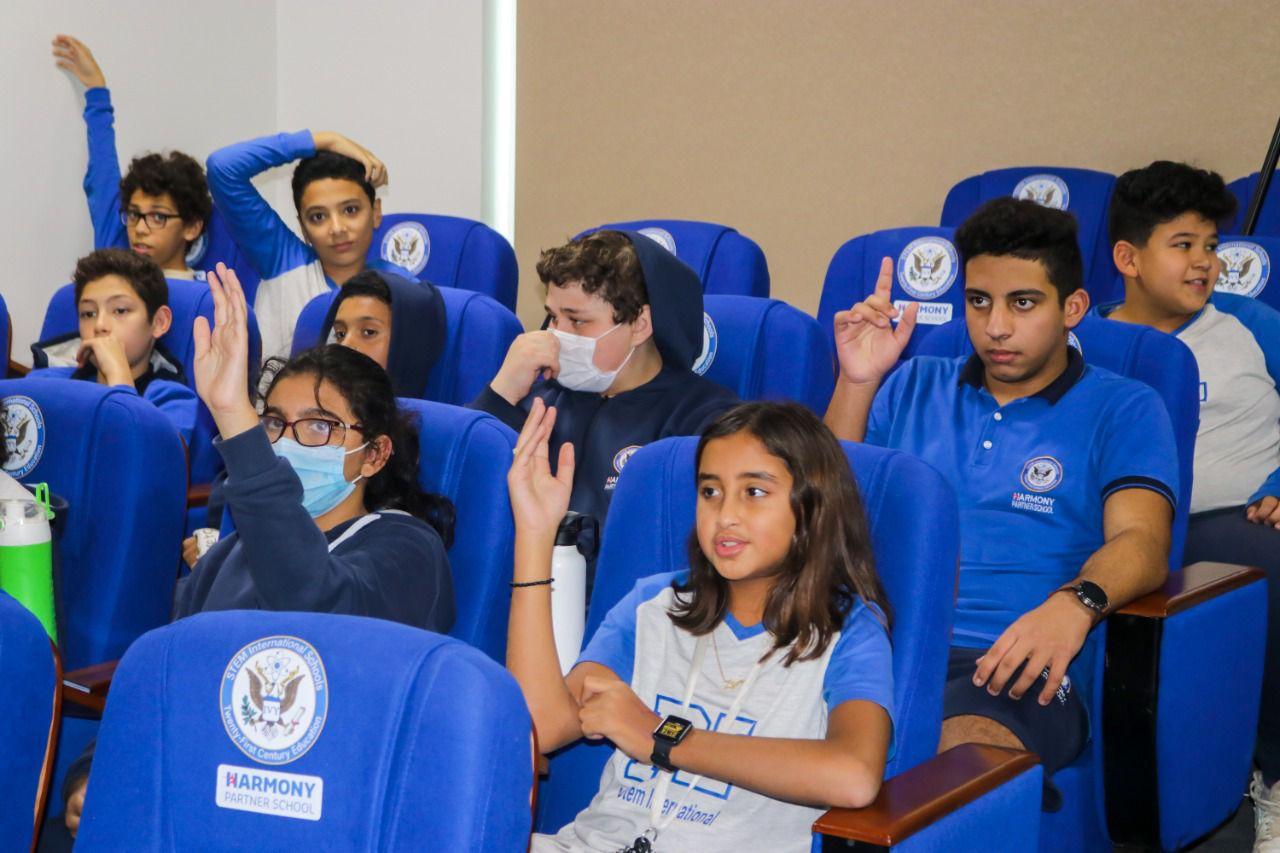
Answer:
(657, 822)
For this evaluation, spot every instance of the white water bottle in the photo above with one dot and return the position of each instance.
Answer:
(569, 589)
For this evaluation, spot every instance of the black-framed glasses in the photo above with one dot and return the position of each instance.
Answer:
(309, 432)
(156, 219)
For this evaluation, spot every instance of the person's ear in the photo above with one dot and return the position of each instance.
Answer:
(377, 213)
(642, 327)
(1076, 306)
(191, 230)
(1125, 256)
(161, 322)
(377, 455)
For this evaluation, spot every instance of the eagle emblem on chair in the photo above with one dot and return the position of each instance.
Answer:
(273, 691)
(1245, 268)
(407, 245)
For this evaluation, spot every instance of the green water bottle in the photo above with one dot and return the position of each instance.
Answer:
(26, 554)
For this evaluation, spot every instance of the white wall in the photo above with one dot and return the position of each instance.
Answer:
(403, 78)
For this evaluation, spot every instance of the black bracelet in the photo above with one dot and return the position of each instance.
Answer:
(516, 584)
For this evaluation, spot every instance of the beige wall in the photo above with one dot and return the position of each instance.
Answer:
(805, 123)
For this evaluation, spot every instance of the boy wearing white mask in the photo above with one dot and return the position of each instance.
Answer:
(623, 330)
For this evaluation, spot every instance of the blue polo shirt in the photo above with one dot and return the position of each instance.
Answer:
(1031, 476)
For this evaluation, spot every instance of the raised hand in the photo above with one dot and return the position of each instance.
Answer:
(221, 366)
(71, 54)
(374, 170)
(867, 344)
(539, 500)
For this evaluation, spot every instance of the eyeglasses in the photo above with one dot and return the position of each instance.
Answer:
(309, 432)
(155, 219)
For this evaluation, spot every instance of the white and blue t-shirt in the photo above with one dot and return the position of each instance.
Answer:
(638, 641)
(1031, 476)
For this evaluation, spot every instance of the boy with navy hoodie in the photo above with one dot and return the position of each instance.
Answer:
(160, 207)
(624, 327)
(1164, 234)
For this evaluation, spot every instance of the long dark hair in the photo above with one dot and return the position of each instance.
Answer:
(367, 389)
(829, 564)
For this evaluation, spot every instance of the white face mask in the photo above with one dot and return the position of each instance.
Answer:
(578, 371)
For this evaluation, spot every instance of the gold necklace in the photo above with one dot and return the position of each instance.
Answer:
(729, 683)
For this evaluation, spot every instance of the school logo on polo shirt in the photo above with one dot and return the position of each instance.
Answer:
(274, 698)
(620, 460)
(1039, 475)
(927, 268)
(1246, 266)
(661, 236)
(23, 435)
(1045, 190)
(407, 245)
(710, 344)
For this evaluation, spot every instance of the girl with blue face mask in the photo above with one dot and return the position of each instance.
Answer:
(323, 488)
(321, 483)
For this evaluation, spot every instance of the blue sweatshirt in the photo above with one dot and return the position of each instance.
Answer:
(291, 272)
(163, 384)
(418, 332)
(605, 431)
(387, 565)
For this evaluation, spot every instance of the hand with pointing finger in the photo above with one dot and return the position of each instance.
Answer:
(867, 344)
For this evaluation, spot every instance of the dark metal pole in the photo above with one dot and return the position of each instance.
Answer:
(1264, 181)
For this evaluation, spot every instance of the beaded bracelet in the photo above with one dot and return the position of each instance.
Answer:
(515, 584)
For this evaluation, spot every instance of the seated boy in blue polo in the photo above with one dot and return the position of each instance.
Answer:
(122, 303)
(160, 207)
(1066, 475)
(1164, 235)
(334, 193)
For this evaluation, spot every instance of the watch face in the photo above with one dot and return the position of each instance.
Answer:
(1093, 595)
(672, 729)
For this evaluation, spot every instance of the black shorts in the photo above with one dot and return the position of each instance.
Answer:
(1056, 732)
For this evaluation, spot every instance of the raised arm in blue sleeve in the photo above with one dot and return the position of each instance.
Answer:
(271, 247)
(102, 177)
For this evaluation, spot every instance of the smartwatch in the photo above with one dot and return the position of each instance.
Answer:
(1091, 596)
(668, 734)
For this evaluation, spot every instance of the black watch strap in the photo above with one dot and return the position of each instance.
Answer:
(661, 756)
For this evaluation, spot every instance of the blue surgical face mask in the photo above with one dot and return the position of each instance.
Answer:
(320, 469)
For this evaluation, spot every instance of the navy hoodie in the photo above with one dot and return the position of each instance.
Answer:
(605, 431)
(418, 332)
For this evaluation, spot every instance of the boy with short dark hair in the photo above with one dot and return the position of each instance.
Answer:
(624, 328)
(334, 193)
(161, 206)
(1066, 475)
(122, 304)
(1164, 222)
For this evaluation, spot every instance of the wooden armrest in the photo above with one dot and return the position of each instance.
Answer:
(88, 687)
(1190, 586)
(198, 495)
(542, 766)
(912, 800)
(16, 370)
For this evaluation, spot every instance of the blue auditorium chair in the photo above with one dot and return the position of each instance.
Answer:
(449, 251)
(479, 331)
(6, 334)
(1085, 193)
(29, 715)
(927, 270)
(1178, 703)
(764, 349)
(647, 531)
(1247, 267)
(465, 455)
(308, 731)
(1268, 217)
(118, 462)
(187, 300)
(726, 262)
